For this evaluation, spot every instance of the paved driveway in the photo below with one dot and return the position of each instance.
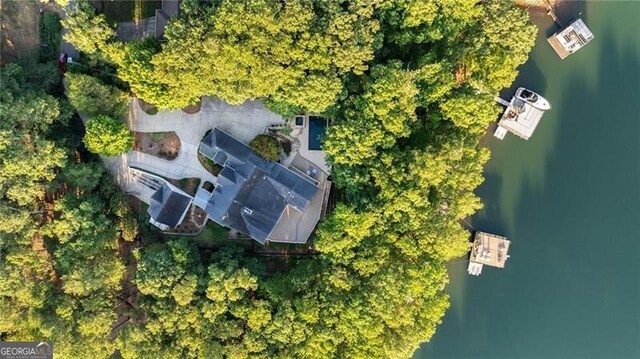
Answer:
(244, 122)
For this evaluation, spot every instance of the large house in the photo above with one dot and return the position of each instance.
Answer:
(259, 198)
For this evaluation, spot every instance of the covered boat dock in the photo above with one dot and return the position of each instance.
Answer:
(488, 249)
(520, 118)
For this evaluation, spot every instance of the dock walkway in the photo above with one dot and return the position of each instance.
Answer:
(501, 101)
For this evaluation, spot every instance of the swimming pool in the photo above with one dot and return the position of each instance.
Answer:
(317, 132)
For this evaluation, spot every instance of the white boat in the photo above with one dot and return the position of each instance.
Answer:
(533, 99)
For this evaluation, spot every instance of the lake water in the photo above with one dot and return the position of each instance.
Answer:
(569, 200)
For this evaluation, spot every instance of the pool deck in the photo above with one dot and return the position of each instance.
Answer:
(317, 157)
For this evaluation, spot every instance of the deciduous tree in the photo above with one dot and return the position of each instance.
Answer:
(92, 97)
(107, 136)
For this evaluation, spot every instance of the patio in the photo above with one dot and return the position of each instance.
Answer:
(302, 135)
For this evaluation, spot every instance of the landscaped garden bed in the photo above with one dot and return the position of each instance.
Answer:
(195, 108)
(189, 185)
(192, 223)
(268, 147)
(165, 145)
(148, 108)
(209, 165)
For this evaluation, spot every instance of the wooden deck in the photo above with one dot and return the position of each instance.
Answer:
(557, 46)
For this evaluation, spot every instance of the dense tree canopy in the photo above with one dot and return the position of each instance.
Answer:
(409, 86)
(27, 157)
(236, 50)
(60, 229)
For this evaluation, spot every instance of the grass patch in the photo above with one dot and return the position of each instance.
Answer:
(159, 136)
(287, 248)
(189, 185)
(215, 236)
(128, 10)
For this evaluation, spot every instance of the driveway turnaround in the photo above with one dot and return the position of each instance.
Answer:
(245, 122)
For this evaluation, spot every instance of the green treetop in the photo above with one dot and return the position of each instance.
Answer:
(266, 146)
(107, 136)
(92, 97)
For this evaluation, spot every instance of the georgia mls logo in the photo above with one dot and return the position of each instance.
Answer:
(26, 350)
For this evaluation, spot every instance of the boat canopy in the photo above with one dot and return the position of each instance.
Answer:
(529, 96)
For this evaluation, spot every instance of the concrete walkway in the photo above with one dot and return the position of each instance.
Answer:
(132, 30)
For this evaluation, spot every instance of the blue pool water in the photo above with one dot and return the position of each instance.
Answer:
(317, 132)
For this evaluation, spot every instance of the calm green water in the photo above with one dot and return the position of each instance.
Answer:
(569, 199)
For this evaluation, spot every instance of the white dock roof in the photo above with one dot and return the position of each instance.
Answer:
(576, 34)
(520, 118)
(571, 38)
(489, 249)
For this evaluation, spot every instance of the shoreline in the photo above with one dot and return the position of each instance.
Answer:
(537, 5)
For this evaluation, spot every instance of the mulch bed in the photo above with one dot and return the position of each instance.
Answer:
(193, 108)
(148, 108)
(160, 144)
(192, 223)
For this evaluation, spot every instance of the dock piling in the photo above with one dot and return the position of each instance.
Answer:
(551, 12)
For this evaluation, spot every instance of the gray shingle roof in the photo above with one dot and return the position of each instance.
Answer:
(167, 206)
(252, 193)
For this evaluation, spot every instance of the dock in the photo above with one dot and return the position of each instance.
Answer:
(522, 114)
(520, 118)
(501, 101)
(571, 38)
(488, 249)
